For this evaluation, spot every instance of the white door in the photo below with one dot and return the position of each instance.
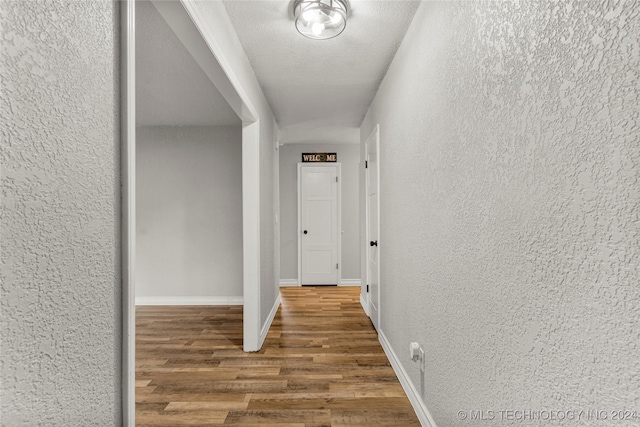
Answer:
(319, 226)
(373, 212)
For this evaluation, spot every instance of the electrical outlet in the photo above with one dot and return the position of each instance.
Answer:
(414, 349)
(423, 361)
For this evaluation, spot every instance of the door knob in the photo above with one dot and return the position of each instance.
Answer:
(373, 243)
(305, 231)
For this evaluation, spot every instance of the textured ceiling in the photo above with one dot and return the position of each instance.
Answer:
(171, 88)
(319, 90)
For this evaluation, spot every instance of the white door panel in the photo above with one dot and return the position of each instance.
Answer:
(373, 257)
(320, 262)
(373, 212)
(319, 225)
(319, 222)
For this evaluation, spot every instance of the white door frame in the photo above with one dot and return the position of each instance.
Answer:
(338, 207)
(191, 28)
(128, 176)
(375, 133)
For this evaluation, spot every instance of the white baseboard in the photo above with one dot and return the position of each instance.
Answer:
(363, 303)
(267, 323)
(288, 282)
(343, 282)
(189, 300)
(425, 417)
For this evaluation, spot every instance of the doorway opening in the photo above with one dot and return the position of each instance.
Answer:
(189, 176)
(185, 22)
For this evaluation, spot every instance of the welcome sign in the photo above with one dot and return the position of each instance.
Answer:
(319, 157)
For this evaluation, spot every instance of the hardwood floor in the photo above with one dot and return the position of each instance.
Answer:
(321, 365)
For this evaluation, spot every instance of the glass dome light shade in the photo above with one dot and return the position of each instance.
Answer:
(320, 19)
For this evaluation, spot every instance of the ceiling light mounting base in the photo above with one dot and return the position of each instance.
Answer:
(320, 19)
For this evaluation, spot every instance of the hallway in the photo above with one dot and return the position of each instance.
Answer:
(321, 365)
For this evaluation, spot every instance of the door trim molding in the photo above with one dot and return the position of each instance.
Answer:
(338, 167)
(374, 133)
(128, 212)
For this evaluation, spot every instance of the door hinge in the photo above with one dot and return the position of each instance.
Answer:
(367, 288)
(336, 266)
(366, 164)
(336, 179)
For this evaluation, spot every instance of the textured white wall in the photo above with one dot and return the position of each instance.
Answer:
(60, 293)
(510, 205)
(349, 158)
(189, 211)
(223, 35)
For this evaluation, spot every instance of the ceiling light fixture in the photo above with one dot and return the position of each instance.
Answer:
(320, 19)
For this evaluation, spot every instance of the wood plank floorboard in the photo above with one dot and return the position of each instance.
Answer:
(321, 365)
